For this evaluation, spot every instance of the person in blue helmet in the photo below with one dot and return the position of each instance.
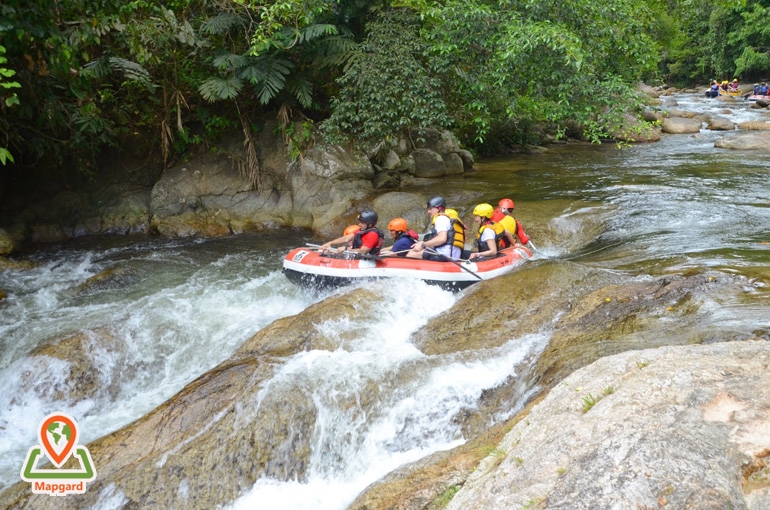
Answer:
(445, 239)
(367, 240)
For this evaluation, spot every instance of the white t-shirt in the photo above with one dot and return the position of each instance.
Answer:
(443, 223)
(487, 234)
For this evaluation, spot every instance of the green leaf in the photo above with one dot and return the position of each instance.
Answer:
(217, 89)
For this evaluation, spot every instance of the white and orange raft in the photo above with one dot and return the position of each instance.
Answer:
(311, 268)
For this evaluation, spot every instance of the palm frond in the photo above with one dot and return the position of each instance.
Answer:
(131, 70)
(230, 61)
(302, 89)
(276, 70)
(316, 30)
(334, 51)
(220, 23)
(98, 68)
(268, 75)
(253, 73)
(217, 89)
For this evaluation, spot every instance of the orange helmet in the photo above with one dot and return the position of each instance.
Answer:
(352, 229)
(398, 224)
(506, 203)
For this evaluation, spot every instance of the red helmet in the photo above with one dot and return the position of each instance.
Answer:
(352, 229)
(398, 224)
(506, 203)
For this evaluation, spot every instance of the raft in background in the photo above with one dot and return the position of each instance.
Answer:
(311, 268)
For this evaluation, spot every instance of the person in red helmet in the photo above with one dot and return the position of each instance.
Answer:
(504, 215)
(403, 238)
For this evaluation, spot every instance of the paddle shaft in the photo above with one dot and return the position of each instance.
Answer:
(449, 259)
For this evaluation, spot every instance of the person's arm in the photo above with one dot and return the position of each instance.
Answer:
(510, 237)
(490, 252)
(334, 242)
(436, 241)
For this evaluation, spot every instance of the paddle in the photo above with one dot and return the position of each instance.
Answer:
(449, 259)
(389, 253)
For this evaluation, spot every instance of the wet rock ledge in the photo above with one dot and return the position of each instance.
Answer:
(672, 427)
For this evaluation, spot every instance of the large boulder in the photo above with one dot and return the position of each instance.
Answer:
(409, 206)
(675, 112)
(754, 125)
(211, 196)
(652, 116)
(634, 130)
(468, 160)
(428, 163)
(681, 125)
(453, 163)
(674, 427)
(6, 243)
(326, 182)
(718, 123)
(620, 315)
(197, 197)
(442, 142)
(391, 161)
(211, 441)
(76, 356)
(744, 141)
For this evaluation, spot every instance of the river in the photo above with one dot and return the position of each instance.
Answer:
(671, 207)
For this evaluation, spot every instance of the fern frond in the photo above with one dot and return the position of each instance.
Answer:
(230, 61)
(253, 73)
(302, 89)
(268, 75)
(131, 70)
(220, 23)
(334, 51)
(217, 89)
(98, 68)
(316, 30)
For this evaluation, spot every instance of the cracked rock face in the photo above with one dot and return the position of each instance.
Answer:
(673, 427)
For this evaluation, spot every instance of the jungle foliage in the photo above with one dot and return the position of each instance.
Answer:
(79, 76)
(716, 40)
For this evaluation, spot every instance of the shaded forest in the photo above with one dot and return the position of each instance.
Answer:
(78, 77)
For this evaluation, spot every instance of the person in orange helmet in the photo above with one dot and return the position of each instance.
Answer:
(403, 238)
(346, 239)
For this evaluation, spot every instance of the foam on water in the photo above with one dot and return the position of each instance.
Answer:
(190, 308)
(414, 413)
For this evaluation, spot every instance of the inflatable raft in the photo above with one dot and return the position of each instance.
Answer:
(311, 268)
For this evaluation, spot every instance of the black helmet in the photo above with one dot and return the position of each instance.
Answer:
(437, 201)
(368, 216)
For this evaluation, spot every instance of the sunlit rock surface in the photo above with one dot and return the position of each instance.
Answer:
(674, 427)
(589, 313)
(681, 125)
(744, 141)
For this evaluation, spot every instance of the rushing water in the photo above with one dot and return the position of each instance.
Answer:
(652, 209)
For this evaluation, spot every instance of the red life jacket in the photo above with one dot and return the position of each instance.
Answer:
(358, 240)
